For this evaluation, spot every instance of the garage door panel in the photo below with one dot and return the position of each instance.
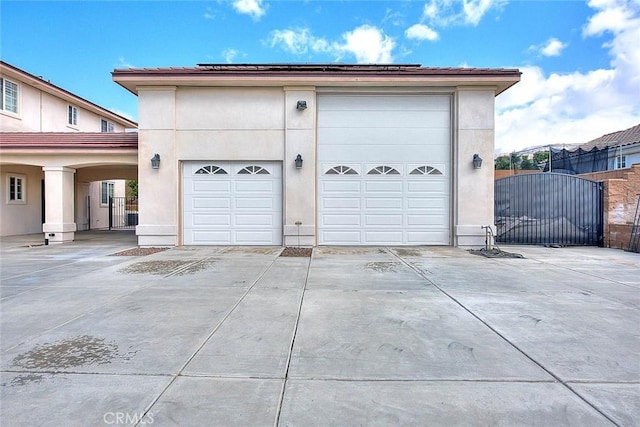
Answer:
(210, 237)
(254, 186)
(253, 220)
(427, 186)
(340, 237)
(427, 203)
(341, 220)
(211, 186)
(383, 203)
(395, 136)
(211, 219)
(377, 119)
(341, 187)
(426, 219)
(382, 237)
(256, 237)
(257, 203)
(383, 219)
(419, 237)
(341, 203)
(383, 186)
(210, 203)
(350, 103)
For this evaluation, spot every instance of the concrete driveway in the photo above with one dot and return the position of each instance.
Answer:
(352, 336)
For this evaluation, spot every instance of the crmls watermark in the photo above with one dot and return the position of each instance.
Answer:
(127, 418)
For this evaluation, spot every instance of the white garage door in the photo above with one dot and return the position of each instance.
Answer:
(384, 175)
(232, 203)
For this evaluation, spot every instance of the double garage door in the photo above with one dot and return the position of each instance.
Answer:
(383, 179)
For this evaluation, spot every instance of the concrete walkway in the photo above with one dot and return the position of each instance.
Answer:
(353, 336)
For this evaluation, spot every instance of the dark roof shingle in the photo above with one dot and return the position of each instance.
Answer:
(69, 140)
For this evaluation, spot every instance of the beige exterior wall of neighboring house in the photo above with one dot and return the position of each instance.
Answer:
(44, 108)
(256, 120)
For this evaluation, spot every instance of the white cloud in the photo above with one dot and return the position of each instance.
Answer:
(209, 14)
(421, 32)
(253, 8)
(452, 12)
(580, 106)
(366, 43)
(553, 47)
(123, 63)
(231, 54)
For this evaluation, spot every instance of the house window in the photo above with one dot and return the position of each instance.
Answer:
(341, 170)
(72, 116)
(211, 170)
(17, 191)
(621, 162)
(9, 98)
(383, 170)
(106, 191)
(253, 170)
(106, 126)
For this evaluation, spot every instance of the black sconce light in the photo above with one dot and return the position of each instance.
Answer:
(298, 161)
(155, 161)
(477, 161)
(301, 105)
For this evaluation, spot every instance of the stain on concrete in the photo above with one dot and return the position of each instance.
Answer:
(74, 352)
(344, 251)
(461, 352)
(382, 266)
(251, 250)
(535, 320)
(24, 379)
(207, 264)
(159, 268)
(407, 252)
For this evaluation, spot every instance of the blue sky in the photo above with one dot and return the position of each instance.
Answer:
(580, 60)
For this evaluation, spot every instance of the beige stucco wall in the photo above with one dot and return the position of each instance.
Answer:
(473, 188)
(42, 112)
(16, 219)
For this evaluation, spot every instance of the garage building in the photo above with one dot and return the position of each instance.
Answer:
(285, 154)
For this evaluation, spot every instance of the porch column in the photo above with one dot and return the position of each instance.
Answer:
(59, 226)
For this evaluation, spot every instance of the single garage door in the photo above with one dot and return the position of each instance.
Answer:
(384, 169)
(232, 203)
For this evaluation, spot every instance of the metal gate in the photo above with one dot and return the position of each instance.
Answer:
(548, 209)
(123, 212)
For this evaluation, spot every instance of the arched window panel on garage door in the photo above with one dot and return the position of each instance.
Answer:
(341, 170)
(211, 170)
(253, 170)
(426, 170)
(383, 170)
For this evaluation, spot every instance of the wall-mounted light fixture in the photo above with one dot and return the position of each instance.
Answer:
(298, 161)
(477, 161)
(301, 105)
(155, 161)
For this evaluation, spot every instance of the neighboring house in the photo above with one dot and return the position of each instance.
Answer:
(55, 150)
(617, 150)
(624, 147)
(329, 154)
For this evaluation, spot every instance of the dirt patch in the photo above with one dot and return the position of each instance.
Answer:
(494, 253)
(139, 251)
(382, 267)
(155, 267)
(296, 252)
(407, 252)
(197, 267)
(70, 353)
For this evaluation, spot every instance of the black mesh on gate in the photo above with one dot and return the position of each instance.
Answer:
(549, 209)
(123, 213)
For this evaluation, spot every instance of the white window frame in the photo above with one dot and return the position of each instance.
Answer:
(110, 126)
(110, 187)
(621, 161)
(21, 180)
(3, 96)
(72, 116)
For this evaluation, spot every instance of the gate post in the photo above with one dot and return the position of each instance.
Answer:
(110, 212)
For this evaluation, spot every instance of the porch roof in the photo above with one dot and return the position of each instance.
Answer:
(69, 140)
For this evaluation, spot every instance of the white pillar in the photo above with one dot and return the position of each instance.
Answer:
(59, 226)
